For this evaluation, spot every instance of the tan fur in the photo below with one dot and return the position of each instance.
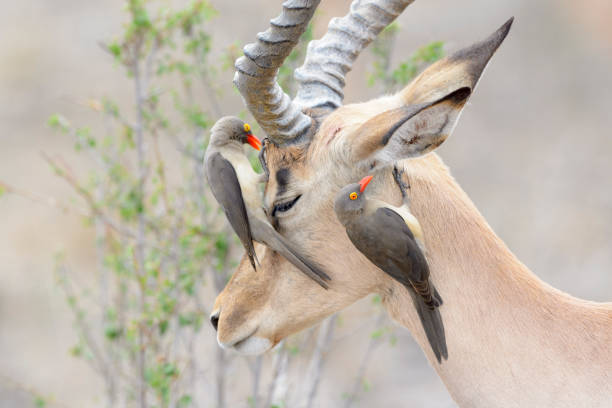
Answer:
(513, 340)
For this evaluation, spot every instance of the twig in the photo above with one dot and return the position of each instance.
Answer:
(161, 169)
(43, 199)
(65, 173)
(313, 376)
(9, 382)
(220, 377)
(279, 377)
(339, 341)
(109, 374)
(256, 372)
(140, 153)
(149, 62)
(81, 323)
(211, 93)
(372, 344)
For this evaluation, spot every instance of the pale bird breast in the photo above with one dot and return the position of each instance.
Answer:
(412, 222)
(248, 179)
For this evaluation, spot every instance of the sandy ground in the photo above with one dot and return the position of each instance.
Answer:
(532, 150)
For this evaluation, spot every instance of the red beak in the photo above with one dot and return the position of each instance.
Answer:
(364, 183)
(254, 141)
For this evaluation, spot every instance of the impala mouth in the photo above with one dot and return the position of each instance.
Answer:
(248, 345)
(244, 339)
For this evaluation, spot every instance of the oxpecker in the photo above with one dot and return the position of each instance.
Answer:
(234, 184)
(392, 239)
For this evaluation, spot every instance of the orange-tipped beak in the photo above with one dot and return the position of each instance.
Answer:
(254, 141)
(364, 183)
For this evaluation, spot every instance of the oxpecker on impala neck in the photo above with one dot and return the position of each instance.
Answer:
(387, 236)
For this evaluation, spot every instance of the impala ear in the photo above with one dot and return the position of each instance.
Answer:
(408, 131)
(431, 106)
(460, 69)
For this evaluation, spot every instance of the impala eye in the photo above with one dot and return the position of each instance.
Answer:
(286, 206)
(353, 196)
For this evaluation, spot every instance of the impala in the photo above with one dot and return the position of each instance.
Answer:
(513, 340)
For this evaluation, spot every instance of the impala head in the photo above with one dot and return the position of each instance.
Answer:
(315, 147)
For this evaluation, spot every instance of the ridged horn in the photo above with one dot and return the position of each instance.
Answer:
(322, 76)
(256, 71)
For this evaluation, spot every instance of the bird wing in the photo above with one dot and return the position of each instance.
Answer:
(225, 186)
(385, 239)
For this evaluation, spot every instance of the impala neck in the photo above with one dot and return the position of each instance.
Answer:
(512, 339)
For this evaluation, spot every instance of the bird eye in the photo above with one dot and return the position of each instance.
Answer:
(247, 127)
(353, 196)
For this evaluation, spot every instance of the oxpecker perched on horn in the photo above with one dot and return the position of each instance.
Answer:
(392, 239)
(234, 184)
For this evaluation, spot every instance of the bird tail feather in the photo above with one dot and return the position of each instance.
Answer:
(432, 324)
(428, 292)
(275, 241)
(252, 255)
(306, 266)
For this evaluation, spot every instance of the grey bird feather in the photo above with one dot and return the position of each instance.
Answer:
(391, 238)
(225, 186)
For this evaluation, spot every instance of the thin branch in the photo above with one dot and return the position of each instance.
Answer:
(313, 376)
(43, 199)
(10, 383)
(256, 373)
(369, 322)
(65, 173)
(81, 323)
(277, 386)
(359, 379)
(140, 233)
(221, 366)
(210, 91)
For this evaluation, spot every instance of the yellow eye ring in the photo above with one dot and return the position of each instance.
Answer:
(353, 196)
(247, 127)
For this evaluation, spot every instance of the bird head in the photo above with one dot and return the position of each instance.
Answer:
(232, 129)
(350, 200)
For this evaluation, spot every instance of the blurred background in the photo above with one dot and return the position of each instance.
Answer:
(532, 150)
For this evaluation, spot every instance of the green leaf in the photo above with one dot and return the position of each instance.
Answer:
(376, 334)
(110, 107)
(184, 401)
(58, 122)
(112, 332)
(84, 137)
(115, 49)
(140, 17)
(170, 370)
(186, 319)
(163, 327)
(76, 350)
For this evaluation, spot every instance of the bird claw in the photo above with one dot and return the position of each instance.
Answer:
(403, 186)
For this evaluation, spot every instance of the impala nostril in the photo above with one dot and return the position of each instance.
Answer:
(214, 320)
